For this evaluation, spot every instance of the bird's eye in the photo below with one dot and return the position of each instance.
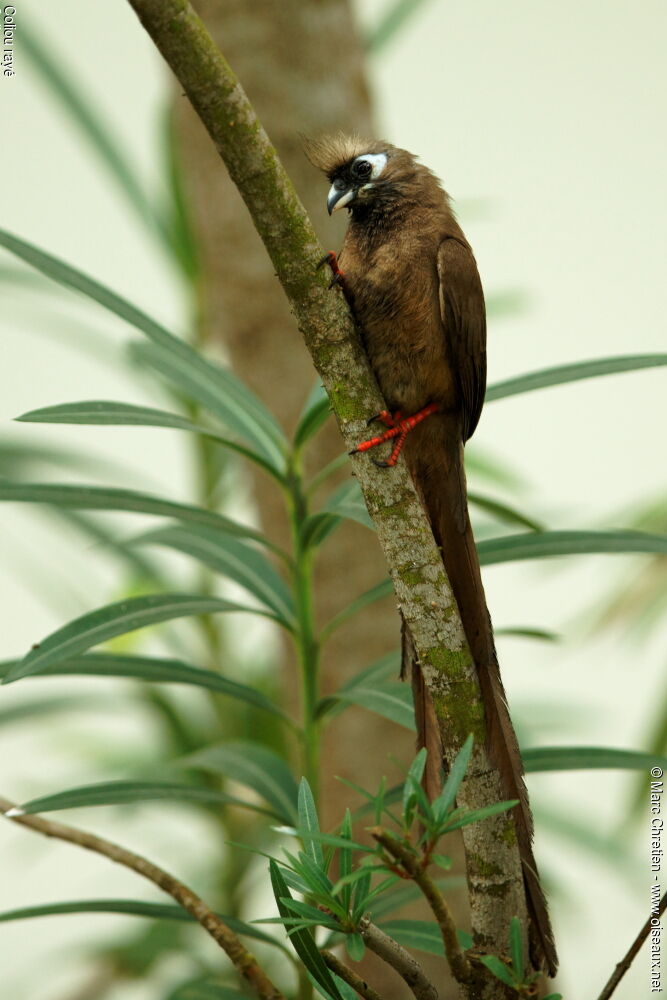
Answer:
(362, 169)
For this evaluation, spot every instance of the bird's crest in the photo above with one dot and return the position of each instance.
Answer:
(331, 152)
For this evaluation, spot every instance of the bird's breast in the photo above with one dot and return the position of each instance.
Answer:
(397, 308)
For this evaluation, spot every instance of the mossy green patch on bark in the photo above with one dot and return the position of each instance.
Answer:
(481, 868)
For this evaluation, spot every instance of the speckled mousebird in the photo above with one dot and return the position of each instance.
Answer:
(412, 283)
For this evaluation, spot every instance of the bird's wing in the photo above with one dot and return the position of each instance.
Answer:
(464, 321)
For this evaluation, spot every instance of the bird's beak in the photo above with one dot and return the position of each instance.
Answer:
(339, 197)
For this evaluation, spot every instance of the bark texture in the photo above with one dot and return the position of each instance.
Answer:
(421, 586)
(301, 63)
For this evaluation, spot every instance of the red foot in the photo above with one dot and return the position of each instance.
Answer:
(331, 259)
(399, 428)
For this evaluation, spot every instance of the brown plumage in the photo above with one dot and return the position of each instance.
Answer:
(413, 286)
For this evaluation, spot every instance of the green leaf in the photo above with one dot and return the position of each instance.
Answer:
(377, 671)
(314, 415)
(543, 544)
(444, 802)
(302, 940)
(73, 96)
(152, 669)
(214, 387)
(589, 758)
(476, 815)
(392, 700)
(525, 632)
(499, 969)
(345, 860)
(308, 823)
(355, 946)
(37, 707)
(419, 934)
(108, 498)
(255, 766)
(402, 895)
(390, 23)
(110, 793)
(360, 895)
(106, 413)
(232, 558)
(562, 374)
(114, 619)
(220, 392)
(329, 839)
(346, 502)
(502, 511)
(204, 989)
(131, 907)
(516, 947)
(376, 593)
(412, 783)
(178, 210)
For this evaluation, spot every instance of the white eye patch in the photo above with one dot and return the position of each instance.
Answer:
(378, 162)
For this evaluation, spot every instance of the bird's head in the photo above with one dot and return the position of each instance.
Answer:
(363, 172)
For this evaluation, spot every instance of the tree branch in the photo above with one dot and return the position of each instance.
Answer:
(625, 963)
(458, 962)
(349, 976)
(425, 596)
(243, 960)
(401, 960)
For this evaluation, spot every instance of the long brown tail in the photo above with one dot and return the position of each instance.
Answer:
(436, 463)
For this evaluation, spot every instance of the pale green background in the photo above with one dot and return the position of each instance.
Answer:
(553, 115)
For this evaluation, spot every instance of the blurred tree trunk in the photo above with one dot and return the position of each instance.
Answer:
(301, 64)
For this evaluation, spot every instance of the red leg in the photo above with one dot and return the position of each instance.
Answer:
(331, 259)
(399, 427)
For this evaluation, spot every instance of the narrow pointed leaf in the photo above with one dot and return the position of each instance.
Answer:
(110, 793)
(345, 861)
(412, 781)
(214, 387)
(476, 815)
(391, 699)
(114, 619)
(445, 800)
(385, 667)
(499, 969)
(132, 907)
(589, 758)
(302, 940)
(561, 374)
(255, 766)
(220, 392)
(376, 593)
(516, 947)
(419, 934)
(503, 511)
(82, 497)
(113, 414)
(146, 668)
(356, 948)
(394, 16)
(232, 558)
(315, 414)
(205, 990)
(403, 895)
(309, 823)
(544, 544)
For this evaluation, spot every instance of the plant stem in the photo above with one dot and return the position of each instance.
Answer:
(308, 645)
(245, 963)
